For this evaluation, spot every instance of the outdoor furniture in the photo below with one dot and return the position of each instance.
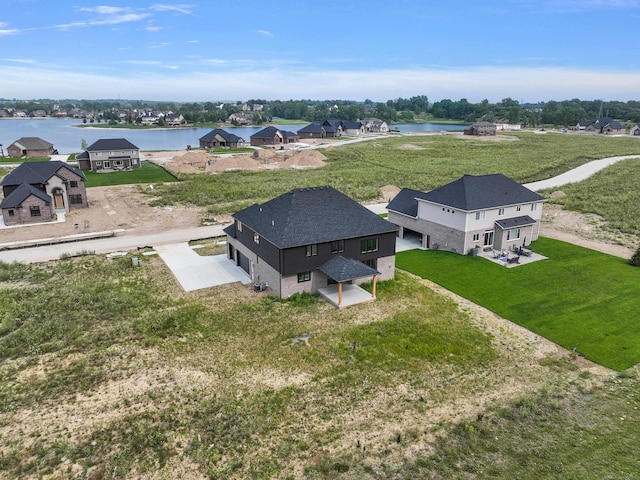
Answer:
(513, 260)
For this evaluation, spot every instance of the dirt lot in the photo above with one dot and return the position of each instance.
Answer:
(124, 207)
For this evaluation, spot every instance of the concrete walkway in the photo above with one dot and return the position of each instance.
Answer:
(195, 272)
(577, 174)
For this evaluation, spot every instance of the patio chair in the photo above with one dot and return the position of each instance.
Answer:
(514, 260)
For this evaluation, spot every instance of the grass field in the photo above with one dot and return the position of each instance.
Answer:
(421, 162)
(122, 376)
(147, 173)
(575, 297)
(22, 160)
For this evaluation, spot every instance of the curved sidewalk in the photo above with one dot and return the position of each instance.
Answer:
(577, 174)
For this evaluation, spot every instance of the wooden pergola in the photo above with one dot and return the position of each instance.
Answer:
(342, 269)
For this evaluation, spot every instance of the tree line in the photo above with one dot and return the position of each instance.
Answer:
(418, 108)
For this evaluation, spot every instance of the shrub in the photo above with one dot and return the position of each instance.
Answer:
(635, 258)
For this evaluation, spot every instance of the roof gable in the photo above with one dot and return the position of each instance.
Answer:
(37, 172)
(312, 215)
(228, 137)
(21, 193)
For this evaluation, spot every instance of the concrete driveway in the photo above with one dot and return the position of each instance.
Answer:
(195, 272)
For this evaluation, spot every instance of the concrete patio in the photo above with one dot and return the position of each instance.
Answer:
(502, 258)
(351, 295)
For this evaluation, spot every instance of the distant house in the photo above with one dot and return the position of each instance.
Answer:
(109, 155)
(605, 126)
(480, 129)
(312, 240)
(241, 118)
(174, 120)
(30, 147)
(219, 138)
(352, 128)
(313, 130)
(489, 211)
(272, 136)
(333, 128)
(635, 130)
(34, 191)
(374, 125)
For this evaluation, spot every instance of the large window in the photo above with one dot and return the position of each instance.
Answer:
(369, 245)
(34, 210)
(513, 234)
(75, 199)
(311, 250)
(304, 277)
(337, 246)
(480, 215)
(534, 206)
(501, 211)
(73, 183)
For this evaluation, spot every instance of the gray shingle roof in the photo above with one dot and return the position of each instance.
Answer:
(21, 193)
(314, 127)
(312, 215)
(228, 137)
(36, 172)
(405, 202)
(471, 193)
(515, 222)
(271, 131)
(33, 143)
(111, 144)
(343, 269)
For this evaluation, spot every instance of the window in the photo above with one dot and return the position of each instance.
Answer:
(480, 215)
(34, 210)
(476, 237)
(373, 263)
(73, 183)
(311, 250)
(11, 213)
(239, 225)
(534, 206)
(304, 277)
(513, 234)
(118, 163)
(75, 199)
(99, 164)
(518, 208)
(107, 164)
(369, 245)
(337, 246)
(501, 211)
(256, 238)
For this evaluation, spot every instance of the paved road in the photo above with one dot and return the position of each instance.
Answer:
(111, 244)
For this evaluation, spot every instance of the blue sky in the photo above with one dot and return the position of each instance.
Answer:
(529, 50)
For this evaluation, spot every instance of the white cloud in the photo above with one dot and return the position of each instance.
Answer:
(9, 31)
(265, 33)
(474, 84)
(27, 61)
(153, 28)
(180, 8)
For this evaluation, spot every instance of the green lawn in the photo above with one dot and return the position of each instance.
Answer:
(576, 296)
(23, 160)
(147, 173)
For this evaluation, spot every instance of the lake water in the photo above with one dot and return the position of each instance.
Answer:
(66, 136)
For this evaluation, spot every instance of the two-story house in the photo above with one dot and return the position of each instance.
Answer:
(486, 211)
(110, 154)
(309, 239)
(35, 191)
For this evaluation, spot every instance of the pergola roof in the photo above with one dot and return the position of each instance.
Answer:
(343, 269)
